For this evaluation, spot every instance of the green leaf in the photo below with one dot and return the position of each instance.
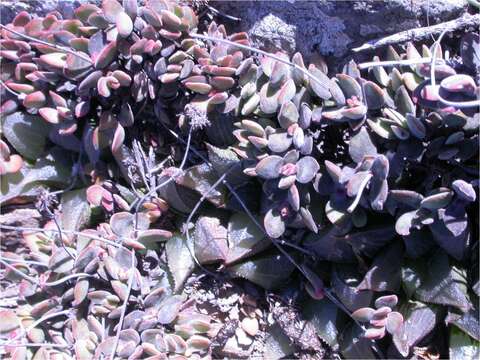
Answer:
(410, 276)
(178, 197)
(27, 133)
(9, 322)
(345, 279)
(27, 181)
(201, 178)
(361, 145)
(61, 261)
(323, 315)
(180, 262)
(420, 319)
(210, 240)
(222, 160)
(267, 272)
(277, 344)
(443, 284)
(463, 346)
(353, 345)
(75, 210)
(469, 322)
(384, 275)
(244, 238)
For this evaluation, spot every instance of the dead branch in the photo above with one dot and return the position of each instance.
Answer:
(422, 33)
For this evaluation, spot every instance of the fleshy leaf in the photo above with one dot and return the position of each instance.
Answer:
(420, 319)
(443, 283)
(210, 240)
(75, 210)
(384, 275)
(307, 168)
(180, 262)
(27, 134)
(361, 145)
(269, 167)
(274, 224)
(268, 272)
(463, 346)
(244, 238)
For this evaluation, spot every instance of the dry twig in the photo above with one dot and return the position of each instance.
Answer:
(422, 33)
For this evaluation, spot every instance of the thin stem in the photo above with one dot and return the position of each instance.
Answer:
(194, 210)
(220, 13)
(434, 56)
(34, 325)
(14, 269)
(55, 46)
(66, 278)
(21, 261)
(54, 218)
(14, 93)
(294, 246)
(425, 60)
(258, 51)
(124, 306)
(38, 345)
(36, 281)
(462, 104)
(169, 180)
(76, 233)
(361, 187)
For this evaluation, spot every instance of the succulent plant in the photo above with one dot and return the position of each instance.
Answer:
(180, 154)
(382, 319)
(10, 163)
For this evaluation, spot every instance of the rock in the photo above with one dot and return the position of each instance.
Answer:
(330, 27)
(250, 326)
(18, 217)
(9, 8)
(242, 338)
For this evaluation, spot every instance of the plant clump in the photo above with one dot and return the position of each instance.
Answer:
(164, 153)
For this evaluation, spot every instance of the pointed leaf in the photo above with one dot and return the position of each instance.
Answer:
(268, 272)
(210, 240)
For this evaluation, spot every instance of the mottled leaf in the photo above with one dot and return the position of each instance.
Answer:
(267, 272)
(210, 242)
(179, 260)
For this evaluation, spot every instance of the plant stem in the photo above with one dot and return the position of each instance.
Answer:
(124, 306)
(194, 210)
(76, 233)
(462, 104)
(21, 261)
(38, 345)
(36, 281)
(34, 325)
(169, 180)
(258, 51)
(425, 60)
(5, 86)
(55, 46)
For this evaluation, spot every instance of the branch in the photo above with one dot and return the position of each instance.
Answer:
(258, 51)
(49, 284)
(422, 33)
(55, 46)
(76, 233)
(31, 327)
(169, 180)
(124, 306)
(457, 104)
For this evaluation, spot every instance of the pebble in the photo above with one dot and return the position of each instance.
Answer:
(250, 326)
(243, 338)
